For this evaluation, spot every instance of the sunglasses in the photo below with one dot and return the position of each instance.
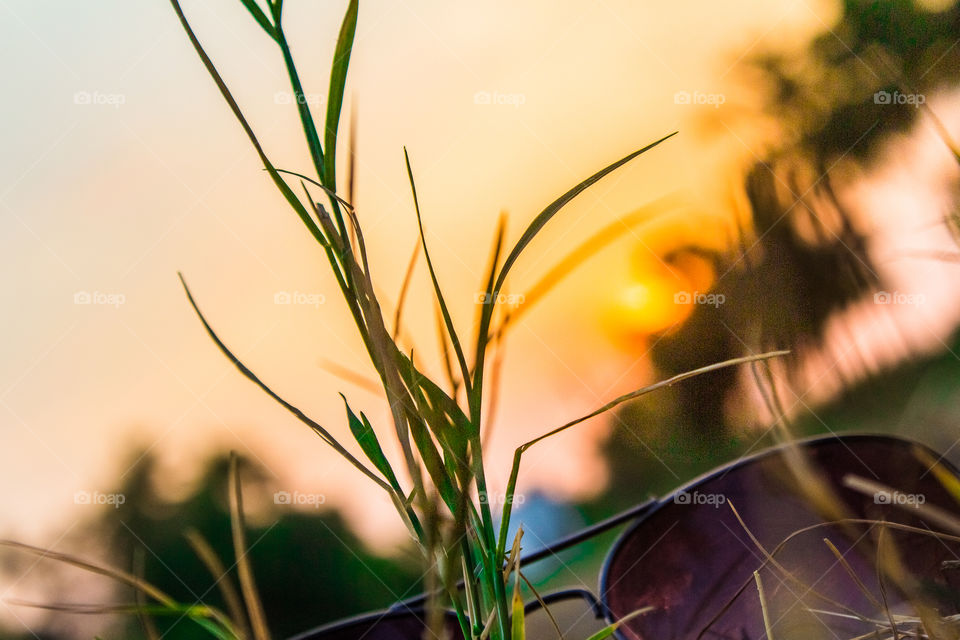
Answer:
(749, 548)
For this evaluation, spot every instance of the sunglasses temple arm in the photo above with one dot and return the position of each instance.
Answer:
(560, 545)
(580, 536)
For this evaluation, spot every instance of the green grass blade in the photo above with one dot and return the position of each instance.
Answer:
(303, 109)
(433, 462)
(532, 230)
(338, 80)
(517, 622)
(518, 453)
(325, 435)
(366, 437)
(329, 192)
(415, 379)
(282, 186)
(669, 382)
(544, 217)
(454, 340)
(446, 423)
(260, 17)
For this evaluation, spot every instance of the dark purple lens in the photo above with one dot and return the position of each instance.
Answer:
(693, 561)
(392, 625)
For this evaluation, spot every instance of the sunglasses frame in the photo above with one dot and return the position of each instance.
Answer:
(400, 609)
(639, 514)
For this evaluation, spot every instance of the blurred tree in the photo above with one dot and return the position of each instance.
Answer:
(310, 568)
(804, 256)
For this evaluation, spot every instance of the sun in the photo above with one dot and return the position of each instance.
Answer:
(659, 296)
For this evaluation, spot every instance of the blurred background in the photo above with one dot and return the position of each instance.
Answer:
(808, 203)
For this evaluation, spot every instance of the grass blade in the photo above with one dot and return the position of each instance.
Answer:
(515, 471)
(583, 252)
(303, 109)
(445, 357)
(282, 186)
(260, 17)
(454, 340)
(487, 296)
(248, 586)
(851, 573)
(764, 608)
(353, 377)
(204, 616)
(317, 428)
(544, 217)
(146, 622)
(404, 287)
(517, 622)
(532, 230)
(114, 574)
(607, 632)
(366, 437)
(225, 585)
(338, 79)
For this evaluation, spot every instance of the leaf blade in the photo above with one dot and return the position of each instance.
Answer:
(544, 216)
(447, 320)
(338, 80)
(366, 437)
(260, 17)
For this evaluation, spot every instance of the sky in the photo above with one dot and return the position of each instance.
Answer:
(122, 166)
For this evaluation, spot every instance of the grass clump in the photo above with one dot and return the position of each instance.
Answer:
(439, 435)
(471, 565)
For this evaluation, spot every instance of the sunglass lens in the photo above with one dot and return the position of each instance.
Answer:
(693, 560)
